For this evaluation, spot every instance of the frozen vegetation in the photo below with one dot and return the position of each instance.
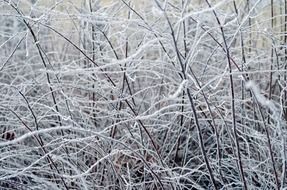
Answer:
(143, 94)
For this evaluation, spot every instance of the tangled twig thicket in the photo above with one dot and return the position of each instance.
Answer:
(178, 94)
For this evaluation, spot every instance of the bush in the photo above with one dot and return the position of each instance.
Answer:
(143, 94)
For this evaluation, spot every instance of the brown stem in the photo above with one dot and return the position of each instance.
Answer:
(232, 98)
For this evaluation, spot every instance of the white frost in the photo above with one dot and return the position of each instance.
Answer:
(179, 90)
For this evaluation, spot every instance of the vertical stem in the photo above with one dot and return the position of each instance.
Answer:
(179, 141)
(232, 98)
(272, 54)
(283, 176)
(93, 30)
(270, 90)
(285, 58)
(249, 26)
(182, 65)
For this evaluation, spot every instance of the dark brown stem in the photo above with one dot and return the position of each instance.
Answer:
(232, 98)
(201, 143)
